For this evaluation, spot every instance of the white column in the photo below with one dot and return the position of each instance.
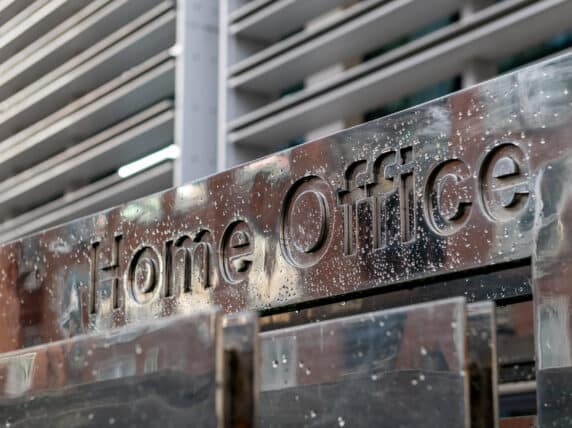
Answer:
(196, 89)
(477, 69)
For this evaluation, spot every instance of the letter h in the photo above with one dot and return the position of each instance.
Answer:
(107, 277)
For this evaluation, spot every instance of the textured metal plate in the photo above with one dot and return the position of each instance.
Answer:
(156, 374)
(405, 367)
(440, 189)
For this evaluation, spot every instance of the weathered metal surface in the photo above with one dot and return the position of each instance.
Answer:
(160, 374)
(440, 189)
(404, 367)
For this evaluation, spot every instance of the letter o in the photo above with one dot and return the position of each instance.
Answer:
(305, 221)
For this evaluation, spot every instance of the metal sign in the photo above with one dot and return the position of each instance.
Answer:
(438, 189)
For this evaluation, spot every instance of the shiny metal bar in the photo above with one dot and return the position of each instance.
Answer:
(240, 372)
(516, 333)
(517, 388)
(150, 375)
(402, 367)
(483, 374)
(481, 339)
(552, 285)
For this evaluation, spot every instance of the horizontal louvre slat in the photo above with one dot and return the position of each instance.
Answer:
(102, 194)
(86, 88)
(71, 38)
(352, 39)
(10, 8)
(409, 49)
(493, 41)
(23, 14)
(34, 21)
(297, 39)
(86, 72)
(120, 98)
(103, 153)
(281, 17)
(248, 8)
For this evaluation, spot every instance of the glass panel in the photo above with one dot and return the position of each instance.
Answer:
(159, 374)
(404, 367)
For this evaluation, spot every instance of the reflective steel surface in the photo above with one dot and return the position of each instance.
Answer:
(515, 342)
(443, 188)
(160, 374)
(402, 367)
(436, 201)
(553, 294)
(483, 361)
(240, 370)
